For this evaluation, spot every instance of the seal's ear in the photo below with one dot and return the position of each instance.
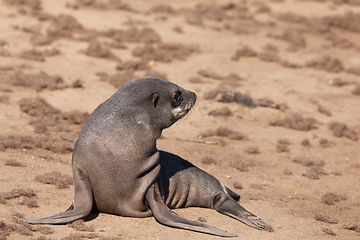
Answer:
(155, 98)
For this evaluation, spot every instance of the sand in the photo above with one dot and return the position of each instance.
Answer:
(277, 117)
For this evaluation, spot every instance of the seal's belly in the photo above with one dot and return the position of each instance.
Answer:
(121, 200)
(124, 196)
(119, 183)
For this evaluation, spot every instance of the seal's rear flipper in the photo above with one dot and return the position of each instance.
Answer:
(80, 208)
(167, 217)
(231, 193)
(231, 208)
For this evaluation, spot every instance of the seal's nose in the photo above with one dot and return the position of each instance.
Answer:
(192, 96)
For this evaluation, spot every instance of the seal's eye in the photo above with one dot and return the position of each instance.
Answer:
(177, 98)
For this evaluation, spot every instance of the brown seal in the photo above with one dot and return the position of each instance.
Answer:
(118, 169)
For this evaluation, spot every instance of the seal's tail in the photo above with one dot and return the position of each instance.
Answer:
(231, 208)
(80, 208)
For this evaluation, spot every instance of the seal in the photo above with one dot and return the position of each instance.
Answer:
(118, 169)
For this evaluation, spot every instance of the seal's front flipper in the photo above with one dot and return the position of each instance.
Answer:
(167, 217)
(60, 218)
(80, 208)
(231, 208)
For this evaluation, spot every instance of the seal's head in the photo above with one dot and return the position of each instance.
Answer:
(171, 102)
(161, 101)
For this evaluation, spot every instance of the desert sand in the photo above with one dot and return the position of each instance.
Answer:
(277, 117)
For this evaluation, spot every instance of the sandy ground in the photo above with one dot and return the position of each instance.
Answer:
(277, 117)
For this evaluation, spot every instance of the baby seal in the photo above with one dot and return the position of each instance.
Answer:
(117, 167)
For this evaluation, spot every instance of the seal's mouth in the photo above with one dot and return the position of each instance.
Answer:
(181, 111)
